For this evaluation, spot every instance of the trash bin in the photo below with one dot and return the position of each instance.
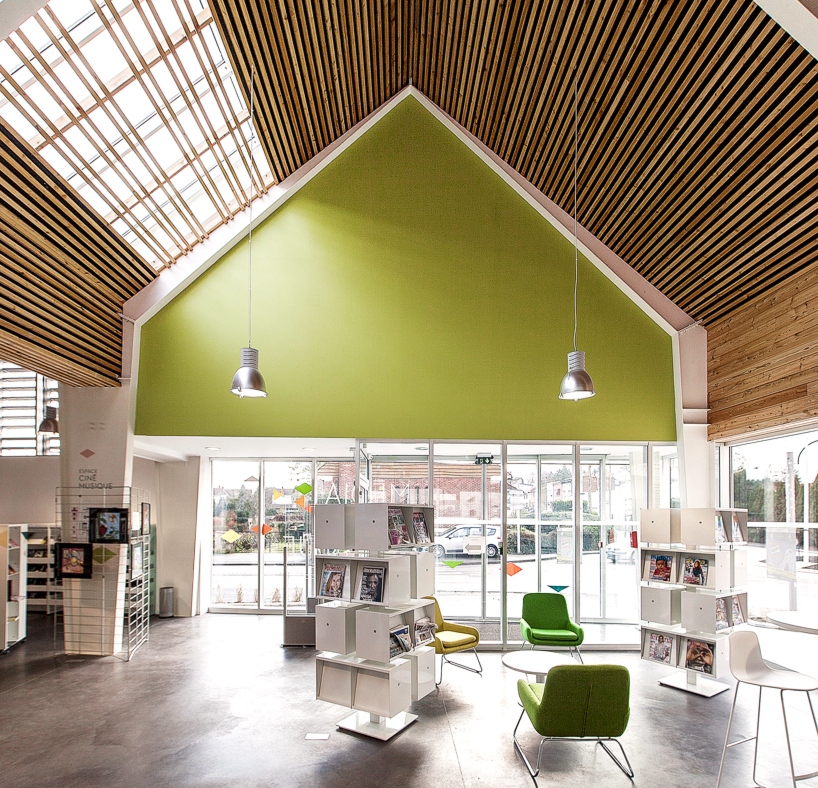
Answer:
(166, 602)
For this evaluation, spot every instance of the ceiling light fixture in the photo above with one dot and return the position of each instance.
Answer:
(308, 448)
(49, 423)
(577, 383)
(213, 448)
(248, 382)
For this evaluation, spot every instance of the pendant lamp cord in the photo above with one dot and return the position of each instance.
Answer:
(250, 237)
(576, 253)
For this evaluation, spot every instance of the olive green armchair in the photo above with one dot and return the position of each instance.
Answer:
(545, 622)
(577, 702)
(451, 638)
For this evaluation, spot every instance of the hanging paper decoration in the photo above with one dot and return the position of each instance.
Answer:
(300, 502)
(452, 564)
(304, 488)
(254, 528)
(102, 554)
(309, 508)
(512, 569)
(277, 494)
(231, 536)
(265, 529)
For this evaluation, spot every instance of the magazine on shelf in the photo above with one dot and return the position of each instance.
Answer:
(395, 648)
(398, 532)
(721, 534)
(721, 614)
(421, 531)
(660, 566)
(332, 580)
(699, 656)
(695, 571)
(736, 529)
(660, 647)
(372, 579)
(425, 630)
(738, 616)
(403, 636)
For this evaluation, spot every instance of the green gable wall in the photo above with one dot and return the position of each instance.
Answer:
(405, 292)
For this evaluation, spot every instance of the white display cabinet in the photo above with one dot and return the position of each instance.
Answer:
(374, 625)
(423, 671)
(372, 526)
(44, 589)
(726, 568)
(692, 527)
(662, 605)
(719, 568)
(661, 645)
(656, 526)
(397, 576)
(12, 585)
(422, 572)
(700, 611)
(335, 626)
(334, 526)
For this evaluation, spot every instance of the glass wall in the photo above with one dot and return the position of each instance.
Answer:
(775, 480)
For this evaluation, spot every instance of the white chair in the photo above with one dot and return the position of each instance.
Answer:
(748, 666)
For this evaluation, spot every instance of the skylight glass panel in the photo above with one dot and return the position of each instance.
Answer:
(135, 105)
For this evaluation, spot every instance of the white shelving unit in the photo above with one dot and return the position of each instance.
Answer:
(44, 589)
(353, 667)
(686, 623)
(13, 577)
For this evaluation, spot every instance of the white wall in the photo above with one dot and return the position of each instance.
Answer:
(27, 486)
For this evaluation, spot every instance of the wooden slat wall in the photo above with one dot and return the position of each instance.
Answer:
(65, 274)
(763, 361)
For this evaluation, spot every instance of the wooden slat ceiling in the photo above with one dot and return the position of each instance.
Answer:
(697, 121)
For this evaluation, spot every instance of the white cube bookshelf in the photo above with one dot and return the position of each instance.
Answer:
(699, 611)
(422, 661)
(719, 568)
(662, 605)
(335, 626)
(372, 526)
(665, 646)
(659, 526)
(334, 526)
(422, 571)
(374, 626)
(384, 689)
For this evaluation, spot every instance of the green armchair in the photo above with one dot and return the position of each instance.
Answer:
(577, 702)
(451, 638)
(545, 622)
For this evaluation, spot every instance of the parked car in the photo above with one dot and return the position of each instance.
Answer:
(621, 552)
(451, 541)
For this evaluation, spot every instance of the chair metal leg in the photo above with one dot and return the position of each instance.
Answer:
(465, 667)
(531, 771)
(437, 683)
(629, 771)
(576, 648)
(796, 777)
(727, 736)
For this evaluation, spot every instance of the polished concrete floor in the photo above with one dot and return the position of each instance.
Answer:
(215, 701)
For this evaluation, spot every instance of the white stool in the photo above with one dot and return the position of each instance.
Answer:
(748, 666)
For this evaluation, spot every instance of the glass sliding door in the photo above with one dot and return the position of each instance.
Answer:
(540, 522)
(235, 568)
(468, 507)
(613, 488)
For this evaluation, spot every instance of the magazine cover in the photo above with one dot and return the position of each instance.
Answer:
(699, 656)
(395, 649)
(660, 648)
(721, 614)
(660, 566)
(402, 635)
(695, 571)
(736, 529)
(398, 533)
(738, 616)
(424, 631)
(372, 584)
(721, 535)
(421, 531)
(332, 580)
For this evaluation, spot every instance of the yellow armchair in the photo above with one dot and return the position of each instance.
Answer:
(451, 638)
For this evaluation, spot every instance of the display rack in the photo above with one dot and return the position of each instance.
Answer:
(44, 588)
(357, 665)
(693, 578)
(13, 578)
(107, 614)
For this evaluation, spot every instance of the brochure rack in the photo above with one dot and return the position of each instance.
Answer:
(365, 596)
(693, 573)
(44, 588)
(13, 579)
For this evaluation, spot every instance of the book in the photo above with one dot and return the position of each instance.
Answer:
(660, 647)
(721, 534)
(736, 529)
(398, 532)
(372, 578)
(699, 656)
(421, 531)
(721, 614)
(425, 630)
(738, 616)
(695, 573)
(660, 567)
(332, 580)
(402, 635)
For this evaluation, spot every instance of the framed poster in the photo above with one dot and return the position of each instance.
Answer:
(108, 525)
(146, 519)
(74, 560)
(136, 561)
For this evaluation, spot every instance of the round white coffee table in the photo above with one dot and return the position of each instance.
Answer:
(535, 663)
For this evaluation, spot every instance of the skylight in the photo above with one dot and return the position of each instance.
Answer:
(136, 105)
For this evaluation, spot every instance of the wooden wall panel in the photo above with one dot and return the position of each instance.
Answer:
(763, 361)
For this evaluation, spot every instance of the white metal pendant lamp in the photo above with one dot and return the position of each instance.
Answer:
(577, 383)
(248, 382)
(49, 423)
